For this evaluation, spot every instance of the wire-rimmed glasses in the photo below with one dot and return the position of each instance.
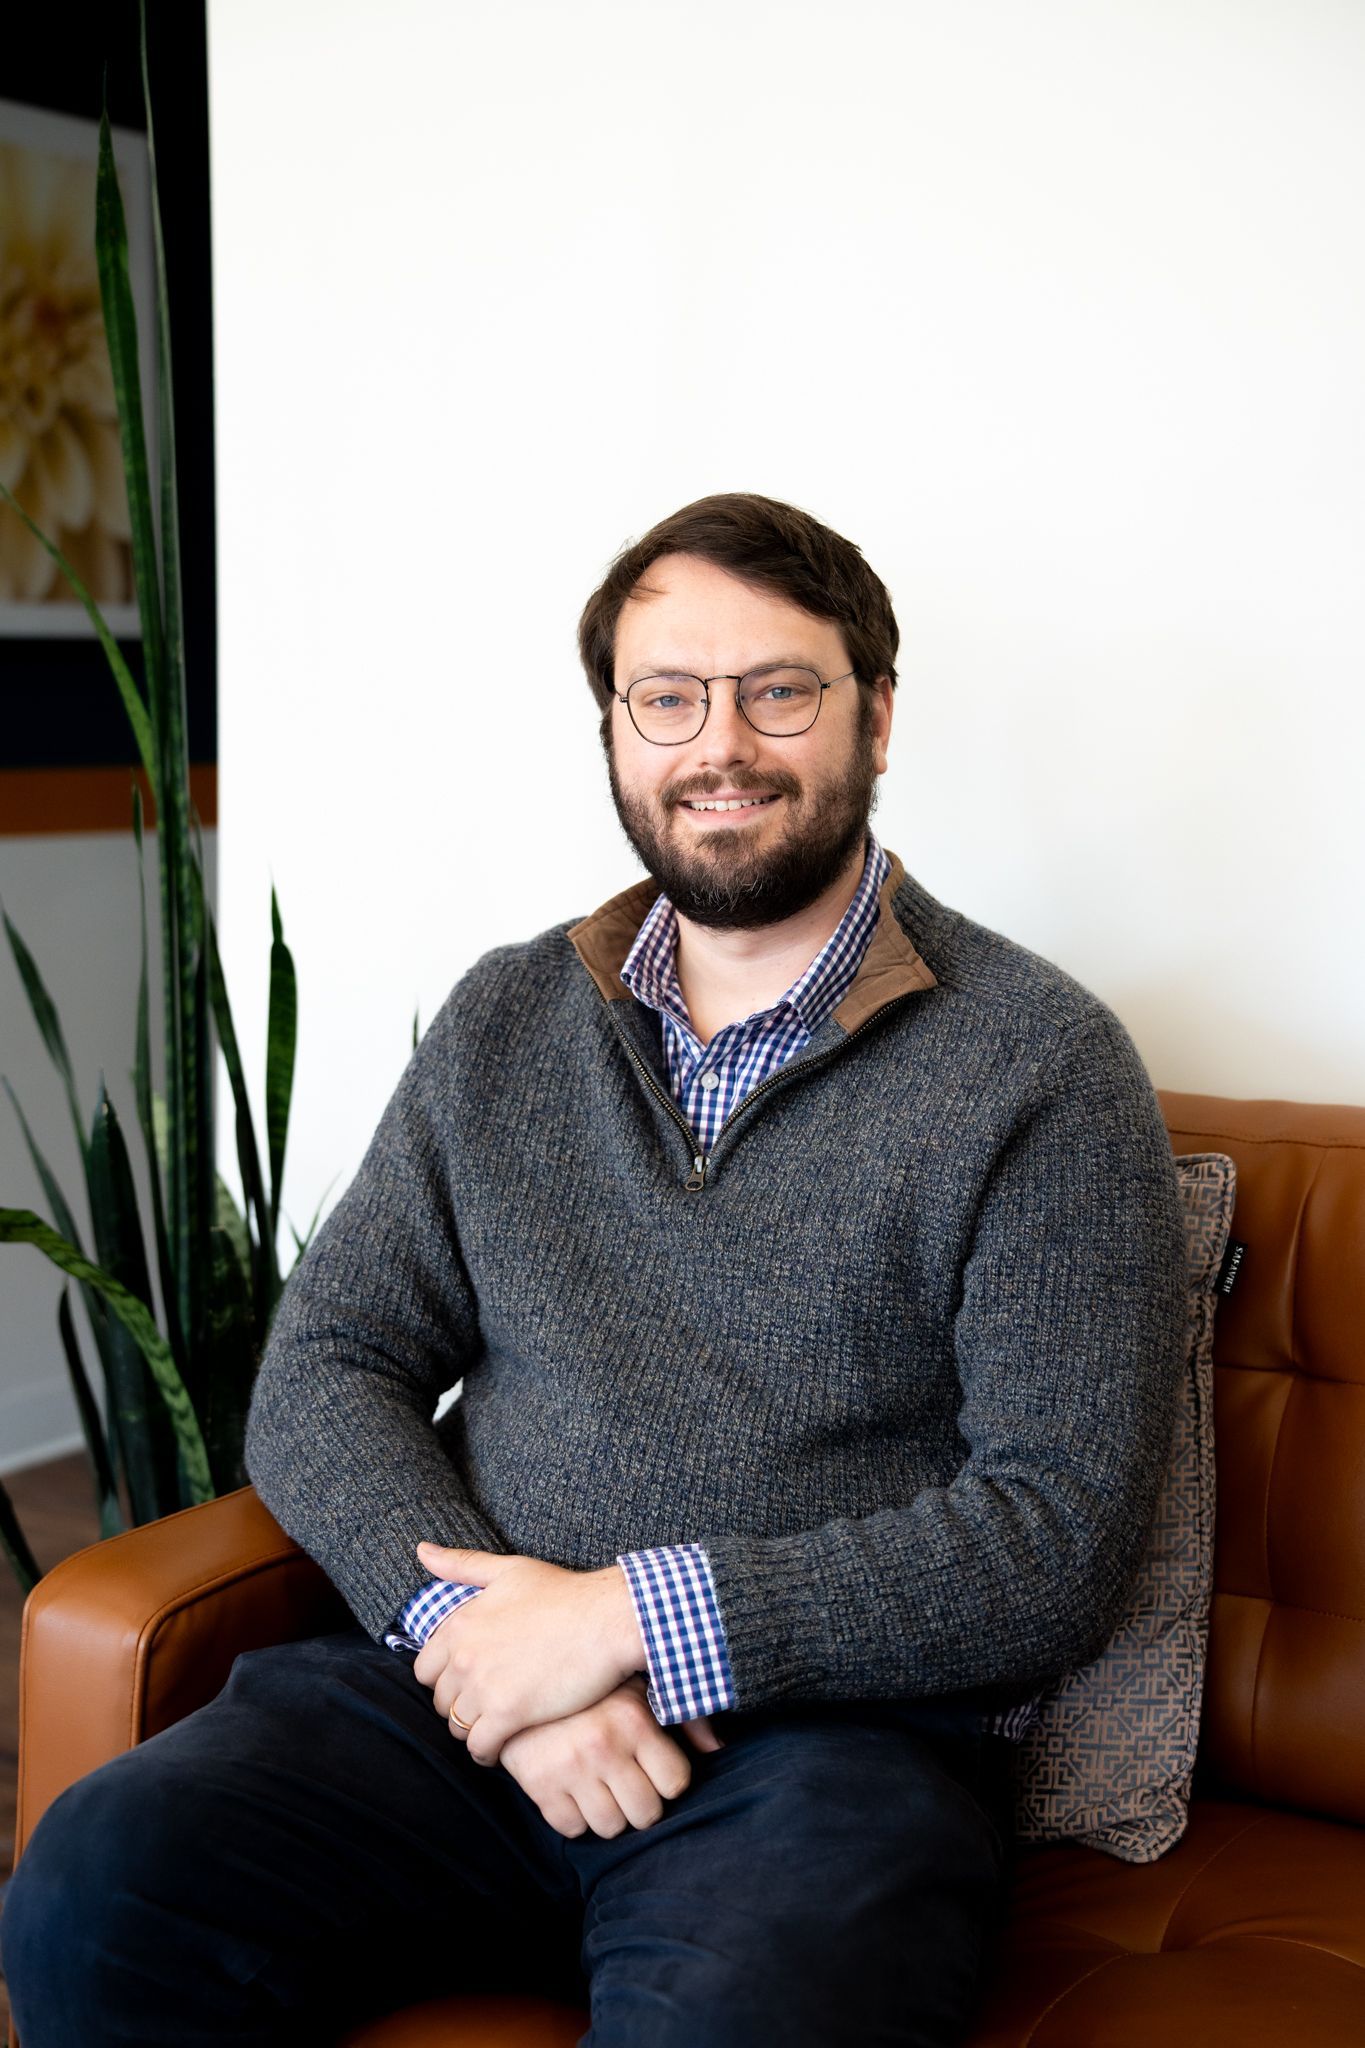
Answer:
(778, 701)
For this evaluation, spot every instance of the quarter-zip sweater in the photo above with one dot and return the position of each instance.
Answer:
(900, 1353)
(670, 1587)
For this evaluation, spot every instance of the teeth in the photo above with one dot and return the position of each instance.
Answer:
(733, 803)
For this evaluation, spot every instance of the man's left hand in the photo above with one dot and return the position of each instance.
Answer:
(538, 1643)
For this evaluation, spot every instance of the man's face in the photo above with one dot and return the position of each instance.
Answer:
(736, 870)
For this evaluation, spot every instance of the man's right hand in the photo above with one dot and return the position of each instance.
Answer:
(607, 1768)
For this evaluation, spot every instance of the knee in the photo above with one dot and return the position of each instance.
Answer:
(841, 1893)
(880, 1808)
(40, 1923)
(802, 1978)
(68, 1904)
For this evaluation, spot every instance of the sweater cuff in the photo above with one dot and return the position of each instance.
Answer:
(428, 1607)
(675, 1605)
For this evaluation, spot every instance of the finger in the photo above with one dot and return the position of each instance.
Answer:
(564, 1816)
(464, 1567)
(599, 1809)
(664, 1763)
(431, 1662)
(485, 1740)
(481, 1739)
(438, 1649)
(702, 1735)
(638, 1798)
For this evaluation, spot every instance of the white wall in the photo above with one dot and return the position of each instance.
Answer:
(1057, 310)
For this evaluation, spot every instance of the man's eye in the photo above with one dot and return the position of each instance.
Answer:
(790, 686)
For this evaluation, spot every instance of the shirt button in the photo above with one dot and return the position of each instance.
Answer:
(710, 1081)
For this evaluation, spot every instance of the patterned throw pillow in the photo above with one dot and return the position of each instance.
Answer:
(1107, 1755)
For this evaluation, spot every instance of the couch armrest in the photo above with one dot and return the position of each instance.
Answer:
(131, 1634)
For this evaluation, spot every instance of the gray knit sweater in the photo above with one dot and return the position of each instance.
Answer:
(904, 1362)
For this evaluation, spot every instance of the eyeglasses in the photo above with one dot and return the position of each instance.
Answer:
(669, 710)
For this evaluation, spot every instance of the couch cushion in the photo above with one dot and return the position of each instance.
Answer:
(1108, 1754)
(1250, 1933)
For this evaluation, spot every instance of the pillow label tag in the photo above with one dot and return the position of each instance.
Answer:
(1230, 1268)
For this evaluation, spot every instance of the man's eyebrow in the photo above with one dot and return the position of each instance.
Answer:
(678, 668)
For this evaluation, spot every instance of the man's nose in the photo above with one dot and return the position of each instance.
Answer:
(727, 734)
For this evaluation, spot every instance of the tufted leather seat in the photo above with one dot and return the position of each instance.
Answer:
(1251, 1930)
(1250, 1933)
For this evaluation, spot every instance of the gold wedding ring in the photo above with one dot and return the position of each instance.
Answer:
(466, 1725)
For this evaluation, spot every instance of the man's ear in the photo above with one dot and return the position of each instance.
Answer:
(884, 706)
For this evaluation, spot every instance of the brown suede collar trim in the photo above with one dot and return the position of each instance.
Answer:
(890, 967)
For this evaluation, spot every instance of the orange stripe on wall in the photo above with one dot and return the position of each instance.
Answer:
(35, 800)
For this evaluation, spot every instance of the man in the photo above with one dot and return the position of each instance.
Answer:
(812, 1260)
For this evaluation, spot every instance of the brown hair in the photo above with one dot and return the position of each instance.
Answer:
(765, 542)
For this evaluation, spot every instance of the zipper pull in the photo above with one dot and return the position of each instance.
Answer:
(696, 1180)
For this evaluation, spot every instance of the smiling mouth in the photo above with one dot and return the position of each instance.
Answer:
(730, 803)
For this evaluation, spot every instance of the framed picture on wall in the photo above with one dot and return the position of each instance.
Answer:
(59, 436)
(67, 751)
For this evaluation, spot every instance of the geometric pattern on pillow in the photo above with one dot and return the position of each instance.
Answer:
(1107, 1755)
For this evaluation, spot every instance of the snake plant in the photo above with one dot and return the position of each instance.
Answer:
(178, 1306)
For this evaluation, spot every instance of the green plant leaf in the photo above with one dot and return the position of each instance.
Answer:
(106, 1486)
(265, 1270)
(154, 1147)
(230, 1363)
(189, 1190)
(48, 1022)
(24, 1563)
(66, 1224)
(281, 1036)
(21, 1226)
(229, 1219)
(137, 1415)
(301, 1244)
(202, 1190)
(170, 507)
(120, 327)
(56, 1200)
(128, 690)
(177, 983)
(113, 1202)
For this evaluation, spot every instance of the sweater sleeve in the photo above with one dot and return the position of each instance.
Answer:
(1069, 1340)
(377, 1321)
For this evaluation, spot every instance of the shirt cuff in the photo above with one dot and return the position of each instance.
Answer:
(676, 1607)
(426, 1609)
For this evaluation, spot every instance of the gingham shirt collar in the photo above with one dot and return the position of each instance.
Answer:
(650, 969)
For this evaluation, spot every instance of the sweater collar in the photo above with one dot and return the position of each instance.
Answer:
(890, 967)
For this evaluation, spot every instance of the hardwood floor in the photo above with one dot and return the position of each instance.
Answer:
(56, 1508)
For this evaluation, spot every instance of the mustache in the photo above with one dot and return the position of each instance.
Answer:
(780, 784)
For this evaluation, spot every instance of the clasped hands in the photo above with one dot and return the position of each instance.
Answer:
(544, 1667)
(538, 1643)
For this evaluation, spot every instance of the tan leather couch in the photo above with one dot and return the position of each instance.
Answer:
(1250, 1933)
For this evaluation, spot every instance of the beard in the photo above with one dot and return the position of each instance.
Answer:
(726, 882)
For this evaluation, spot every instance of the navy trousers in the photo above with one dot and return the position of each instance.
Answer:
(313, 1848)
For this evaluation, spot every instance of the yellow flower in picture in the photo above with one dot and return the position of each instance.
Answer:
(59, 441)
